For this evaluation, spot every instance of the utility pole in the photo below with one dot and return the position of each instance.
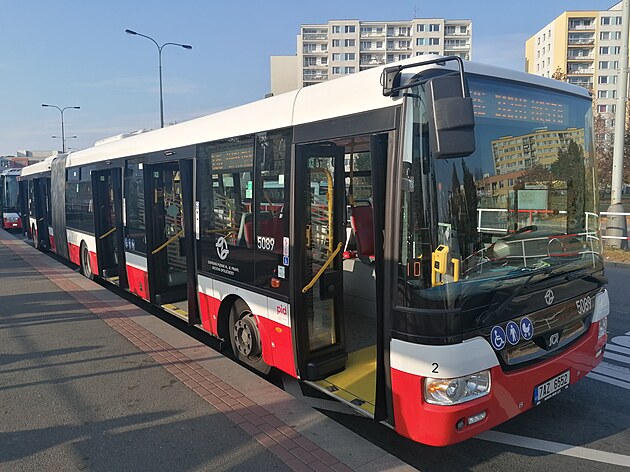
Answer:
(616, 224)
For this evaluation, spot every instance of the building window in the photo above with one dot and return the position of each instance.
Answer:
(324, 61)
(324, 47)
(404, 44)
(420, 27)
(419, 41)
(336, 56)
(366, 44)
(434, 41)
(605, 20)
(336, 29)
(335, 43)
(349, 56)
(310, 61)
(348, 70)
(404, 56)
(434, 27)
(379, 44)
(350, 29)
(336, 70)
(604, 35)
(349, 43)
(616, 50)
(548, 60)
(604, 50)
(616, 20)
(607, 79)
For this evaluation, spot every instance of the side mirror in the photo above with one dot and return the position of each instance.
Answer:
(451, 118)
(391, 81)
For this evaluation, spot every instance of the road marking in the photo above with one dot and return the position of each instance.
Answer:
(555, 448)
(617, 357)
(619, 349)
(614, 371)
(609, 380)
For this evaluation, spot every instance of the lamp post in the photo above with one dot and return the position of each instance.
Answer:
(185, 46)
(61, 110)
(64, 139)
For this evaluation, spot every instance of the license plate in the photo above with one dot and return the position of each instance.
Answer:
(551, 387)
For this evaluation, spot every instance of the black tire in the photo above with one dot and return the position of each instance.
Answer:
(245, 338)
(86, 265)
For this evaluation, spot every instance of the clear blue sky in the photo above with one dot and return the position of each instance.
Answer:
(76, 53)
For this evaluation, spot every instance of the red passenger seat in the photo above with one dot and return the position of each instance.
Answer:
(362, 221)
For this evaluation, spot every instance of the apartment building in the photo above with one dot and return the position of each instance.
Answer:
(342, 47)
(584, 45)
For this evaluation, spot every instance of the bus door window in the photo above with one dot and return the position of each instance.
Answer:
(135, 223)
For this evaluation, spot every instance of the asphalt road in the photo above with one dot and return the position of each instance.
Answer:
(585, 428)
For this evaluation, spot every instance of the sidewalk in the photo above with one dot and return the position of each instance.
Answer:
(91, 382)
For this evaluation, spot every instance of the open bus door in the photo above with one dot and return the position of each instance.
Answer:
(170, 239)
(318, 246)
(107, 190)
(339, 313)
(39, 210)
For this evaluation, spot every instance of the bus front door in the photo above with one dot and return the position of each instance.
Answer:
(319, 236)
(108, 223)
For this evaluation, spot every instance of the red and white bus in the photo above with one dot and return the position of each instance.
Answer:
(10, 199)
(334, 233)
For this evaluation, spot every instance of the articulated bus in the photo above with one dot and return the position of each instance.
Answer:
(363, 235)
(10, 199)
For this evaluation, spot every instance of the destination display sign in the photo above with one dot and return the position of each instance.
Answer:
(513, 106)
(237, 158)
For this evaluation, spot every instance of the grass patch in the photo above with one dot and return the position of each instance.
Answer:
(617, 255)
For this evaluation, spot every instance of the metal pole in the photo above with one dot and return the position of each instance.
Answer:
(63, 135)
(185, 46)
(616, 225)
(620, 115)
(161, 99)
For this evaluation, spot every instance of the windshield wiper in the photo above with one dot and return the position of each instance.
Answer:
(523, 271)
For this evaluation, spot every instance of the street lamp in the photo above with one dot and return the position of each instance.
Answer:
(64, 139)
(185, 46)
(61, 110)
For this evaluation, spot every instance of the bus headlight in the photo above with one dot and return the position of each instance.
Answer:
(457, 390)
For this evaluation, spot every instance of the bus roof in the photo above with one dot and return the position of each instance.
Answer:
(348, 95)
(38, 167)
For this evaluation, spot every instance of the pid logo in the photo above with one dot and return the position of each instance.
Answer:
(281, 310)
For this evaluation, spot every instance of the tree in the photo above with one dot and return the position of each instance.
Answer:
(570, 167)
(559, 74)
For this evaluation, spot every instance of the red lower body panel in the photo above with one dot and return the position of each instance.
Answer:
(277, 345)
(209, 311)
(138, 281)
(275, 338)
(511, 394)
(74, 252)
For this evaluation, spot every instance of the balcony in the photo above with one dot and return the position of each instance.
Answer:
(581, 42)
(582, 27)
(372, 62)
(372, 34)
(588, 71)
(306, 77)
(315, 36)
(583, 57)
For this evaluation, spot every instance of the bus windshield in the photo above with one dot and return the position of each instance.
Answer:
(10, 193)
(523, 205)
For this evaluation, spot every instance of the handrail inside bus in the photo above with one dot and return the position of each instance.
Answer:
(329, 198)
(178, 235)
(103, 236)
(323, 268)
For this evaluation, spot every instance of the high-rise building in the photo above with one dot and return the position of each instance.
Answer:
(341, 47)
(582, 47)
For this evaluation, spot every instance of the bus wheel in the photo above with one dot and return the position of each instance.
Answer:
(86, 267)
(245, 338)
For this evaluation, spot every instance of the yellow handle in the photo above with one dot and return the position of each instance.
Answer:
(155, 251)
(456, 264)
(324, 267)
(108, 233)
